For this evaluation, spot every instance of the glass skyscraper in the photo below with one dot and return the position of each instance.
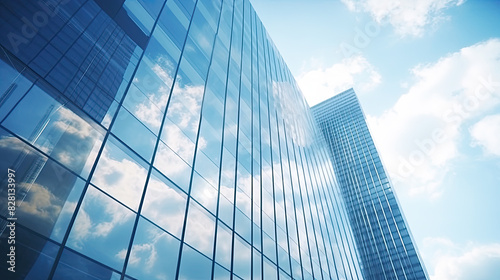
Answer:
(384, 241)
(154, 139)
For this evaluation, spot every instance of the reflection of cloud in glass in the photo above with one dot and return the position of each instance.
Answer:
(141, 253)
(223, 246)
(172, 166)
(178, 142)
(120, 176)
(165, 206)
(41, 203)
(87, 228)
(102, 228)
(163, 63)
(200, 229)
(14, 144)
(71, 123)
(152, 112)
(153, 254)
(290, 101)
(184, 109)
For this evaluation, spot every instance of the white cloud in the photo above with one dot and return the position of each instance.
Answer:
(408, 17)
(486, 133)
(320, 84)
(451, 261)
(97, 218)
(71, 123)
(120, 177)
(40, 202)
(419, 136)
(14, 144)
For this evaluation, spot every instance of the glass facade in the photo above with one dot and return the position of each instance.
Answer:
(161, 140)
(384, 241)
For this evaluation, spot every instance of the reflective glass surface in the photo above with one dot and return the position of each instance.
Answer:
(157, 139)
(372, 206)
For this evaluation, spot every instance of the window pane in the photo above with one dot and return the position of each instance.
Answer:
(154, 253)
(47, 193)
(194, 265)
(56, 130)
(134, 133)
(175, 22)
(200, 229)
(102, 229)
(176, 140)
(207, 169)
(204, 193)
(34, 255)
(226, 211)
(120, 174)
(269, 270)
(223, 246)
(12, 85)
(75, 266)
(221, 273)
(172, 166)
(144, 108)
(154, 79)
(164, 204)
(242, 258)
(139, 15)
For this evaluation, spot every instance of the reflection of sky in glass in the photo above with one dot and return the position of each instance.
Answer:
(223, 246)
(242, 258)
(135, 134)
(46, 195)
(171, 165)
(104, 222)
(102, 228)
(200, 229)
(56, 130)
(204, 193)
(120, 175)
(221, 273)
(194, 265)
(75, 266)
(154, 253)
(164, 204)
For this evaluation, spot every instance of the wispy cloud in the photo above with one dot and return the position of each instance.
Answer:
(320, 84)
(486, 133)
(452, 261)
(408, 17)
(420, 135)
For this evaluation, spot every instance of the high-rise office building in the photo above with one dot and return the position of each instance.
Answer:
(384, 241)
(160, 140)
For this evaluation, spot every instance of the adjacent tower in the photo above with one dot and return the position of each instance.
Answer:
(384, 241)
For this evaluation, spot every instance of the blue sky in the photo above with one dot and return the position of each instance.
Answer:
(428, 76)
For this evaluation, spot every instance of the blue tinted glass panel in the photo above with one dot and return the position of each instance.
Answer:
(134, 133)
(56, 129)
(102, 229)
(120, 174)
(171, 165)
(192, 259)
(200, 229)
(164, 204)
(154, 253)
(75, 266)
(141, 17)
(48, 191)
